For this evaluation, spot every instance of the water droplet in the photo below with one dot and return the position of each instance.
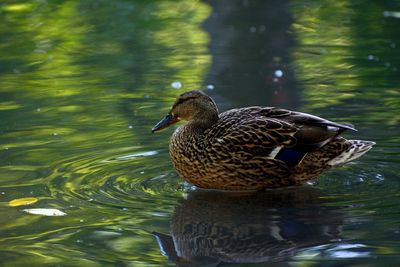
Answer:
(275, 80)
(393, 45)
(278, 73)
(253, 29)
(210, 87)
(81, 220)
(38, 109)
(55, 134)
(142, 172)
(262, 28)
(130, 126)
(176, 85)
(371, 57)
(124, 209)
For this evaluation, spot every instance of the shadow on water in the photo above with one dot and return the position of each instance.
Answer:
(210, 228)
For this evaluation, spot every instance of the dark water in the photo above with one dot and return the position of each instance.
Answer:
(83, 82)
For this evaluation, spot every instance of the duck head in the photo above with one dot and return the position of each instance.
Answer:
(193, 106)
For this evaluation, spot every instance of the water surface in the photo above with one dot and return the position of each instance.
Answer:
(83, 82)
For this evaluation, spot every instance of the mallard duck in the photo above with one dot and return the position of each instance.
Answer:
(253, 148)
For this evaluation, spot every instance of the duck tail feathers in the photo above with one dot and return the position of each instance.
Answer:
(355, 150)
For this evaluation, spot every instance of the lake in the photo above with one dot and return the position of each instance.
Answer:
(83, 82)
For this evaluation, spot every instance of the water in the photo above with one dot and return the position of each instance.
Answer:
(83, 82)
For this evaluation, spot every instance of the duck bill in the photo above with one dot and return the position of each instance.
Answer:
(164, 123)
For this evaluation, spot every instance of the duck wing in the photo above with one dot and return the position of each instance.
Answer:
(313, 132)
(274, 133)
(243, 131)
(248, 145)
(246, 137)
(299, 118)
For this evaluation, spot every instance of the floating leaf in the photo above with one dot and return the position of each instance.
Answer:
(22, 201)
(46, 212)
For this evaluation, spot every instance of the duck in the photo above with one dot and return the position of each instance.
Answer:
(253, 148)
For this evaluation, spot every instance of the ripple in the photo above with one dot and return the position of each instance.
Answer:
(136, 155)
(114, 180)
(336, 251)
(131, 156)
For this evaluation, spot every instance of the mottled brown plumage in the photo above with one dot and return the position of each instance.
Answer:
(253, 148)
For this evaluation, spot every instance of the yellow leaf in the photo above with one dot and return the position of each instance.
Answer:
(22, 201)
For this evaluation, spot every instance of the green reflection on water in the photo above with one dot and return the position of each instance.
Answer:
(346, 58)
(79, 85)
(323, 56)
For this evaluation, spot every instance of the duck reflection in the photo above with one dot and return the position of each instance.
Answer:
(210, 228)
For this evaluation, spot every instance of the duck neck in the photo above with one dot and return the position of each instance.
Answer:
(202, 121)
